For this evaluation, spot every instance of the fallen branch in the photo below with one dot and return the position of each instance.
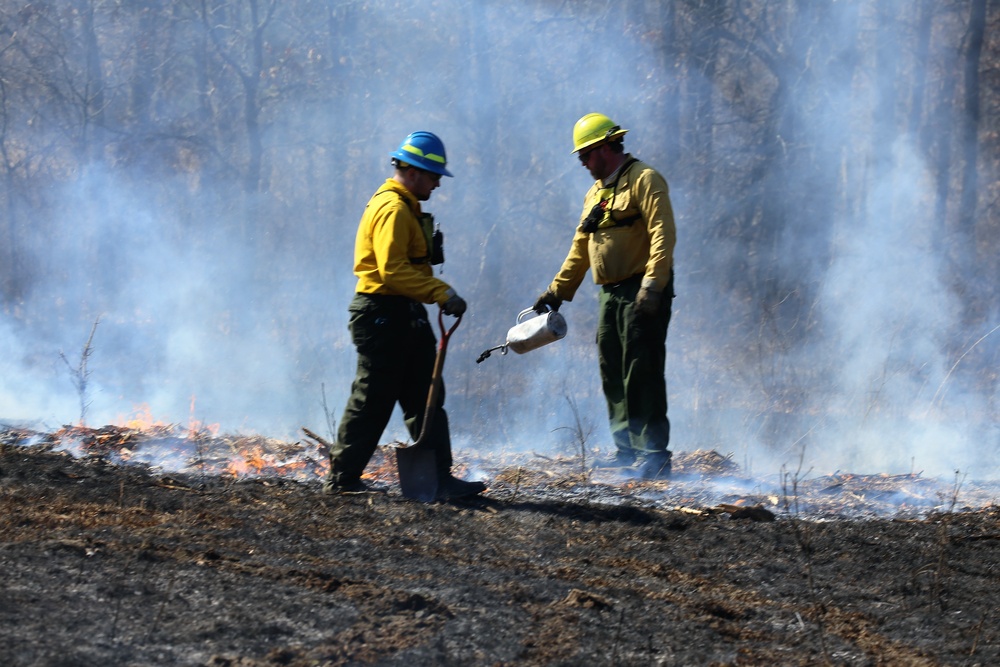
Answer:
(323, 446)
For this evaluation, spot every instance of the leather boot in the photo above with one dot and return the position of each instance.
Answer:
(450, 488)
(622, 458)
(655, 465)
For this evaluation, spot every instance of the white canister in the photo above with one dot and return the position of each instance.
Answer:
(535, 332)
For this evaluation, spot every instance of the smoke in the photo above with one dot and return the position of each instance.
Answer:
(179, 323)
(248, 330)
(888, 317)
(892, 314)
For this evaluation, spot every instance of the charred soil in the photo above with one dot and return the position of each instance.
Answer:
(109, 564)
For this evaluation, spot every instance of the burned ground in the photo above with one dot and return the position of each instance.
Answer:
(113, 564)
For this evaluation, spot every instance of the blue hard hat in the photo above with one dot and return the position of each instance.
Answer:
(424, 151)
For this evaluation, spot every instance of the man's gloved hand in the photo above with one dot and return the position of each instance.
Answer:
(546, 301)
(647, 301)
(454, 306)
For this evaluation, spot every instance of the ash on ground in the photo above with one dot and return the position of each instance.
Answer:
(239, 559)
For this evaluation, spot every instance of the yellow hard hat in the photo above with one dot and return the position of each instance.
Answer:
(594, 128)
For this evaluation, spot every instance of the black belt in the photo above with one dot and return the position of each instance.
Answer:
(628, 281)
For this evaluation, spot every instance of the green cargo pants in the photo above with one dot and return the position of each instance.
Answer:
(632, 352)
(396, 351)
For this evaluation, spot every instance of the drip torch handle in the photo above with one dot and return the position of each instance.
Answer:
(524, 312)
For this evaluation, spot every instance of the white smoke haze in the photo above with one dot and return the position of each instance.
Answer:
(884, 296)
(198, 323)
(24, 391)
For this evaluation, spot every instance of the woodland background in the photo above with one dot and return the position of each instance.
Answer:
(189, 175)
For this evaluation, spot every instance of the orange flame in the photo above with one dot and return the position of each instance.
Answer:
(141, 419)
(198, 428)
(252, 463)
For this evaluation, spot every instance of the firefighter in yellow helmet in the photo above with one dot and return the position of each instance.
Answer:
(625, 237)
(394, 249)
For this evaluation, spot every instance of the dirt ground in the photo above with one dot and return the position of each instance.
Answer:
(108, 563)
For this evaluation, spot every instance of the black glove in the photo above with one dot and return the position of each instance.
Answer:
(647, 301)
(454, 306)
(546, 301)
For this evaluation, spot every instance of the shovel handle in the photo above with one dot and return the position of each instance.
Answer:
(446, 333)
(436, 382)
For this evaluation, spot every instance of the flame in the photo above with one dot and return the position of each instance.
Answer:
(198, 428)
(141, 419)
(382, 466)
(198, 444)
(251, 462)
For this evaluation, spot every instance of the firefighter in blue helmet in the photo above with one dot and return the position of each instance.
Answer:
(393, 253)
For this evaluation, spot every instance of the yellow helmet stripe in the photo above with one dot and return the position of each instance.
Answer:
(410, 148)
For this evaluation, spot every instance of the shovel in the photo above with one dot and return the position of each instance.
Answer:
(416, 463)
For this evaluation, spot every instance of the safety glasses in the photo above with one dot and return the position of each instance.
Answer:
(585, 156)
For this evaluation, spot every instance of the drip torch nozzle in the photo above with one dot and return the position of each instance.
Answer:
(486, 354)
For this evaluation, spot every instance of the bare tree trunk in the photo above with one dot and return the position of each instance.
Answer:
(925, 15)
(971, 113)
(969, 198)
(941, 129)
(253, 180)
(491, 274)
(206, 114)
(8, 249)
(143, 81)
(704, 55)
(93, 125)
(239, 43)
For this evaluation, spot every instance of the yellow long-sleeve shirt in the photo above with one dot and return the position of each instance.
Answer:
(615, 253)
(389, 239)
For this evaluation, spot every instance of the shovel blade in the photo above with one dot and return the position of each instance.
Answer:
(418, 478)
